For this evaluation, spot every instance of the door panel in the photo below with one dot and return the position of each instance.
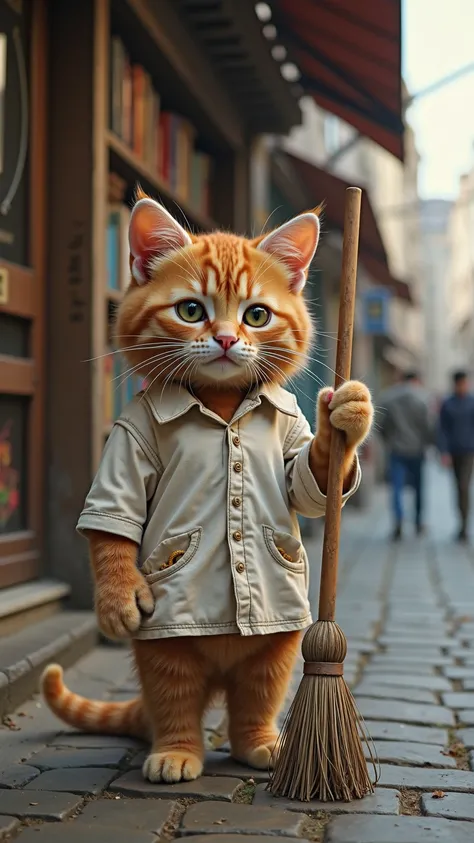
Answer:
(22, 235)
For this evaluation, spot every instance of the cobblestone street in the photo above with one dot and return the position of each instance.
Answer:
(408, 613)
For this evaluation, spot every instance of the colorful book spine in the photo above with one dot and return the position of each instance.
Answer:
(124, 256)
(205, 184)
(117, 386)
(154, 157)
(118, 251)
(113, 250)
(164, 141)
(165, 121)
(108, 396)
(195, 180)
(127, 103)
(138, 84)
(173, 152)
(117, 60)
(147, 119)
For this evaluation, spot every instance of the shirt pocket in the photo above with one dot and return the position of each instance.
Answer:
(286, 549)
(171, 555)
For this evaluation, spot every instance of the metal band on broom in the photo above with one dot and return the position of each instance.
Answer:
(320, 753)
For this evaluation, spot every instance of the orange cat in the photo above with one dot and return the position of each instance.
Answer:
(191, 520)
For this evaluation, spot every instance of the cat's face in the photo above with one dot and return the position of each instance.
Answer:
(217, 308)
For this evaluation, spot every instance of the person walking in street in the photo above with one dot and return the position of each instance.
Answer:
(406, 429)
(456, 443)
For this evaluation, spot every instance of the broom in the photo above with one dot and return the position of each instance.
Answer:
(319, 753)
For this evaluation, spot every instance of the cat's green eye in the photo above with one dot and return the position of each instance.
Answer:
(190, 311)
(257, 316)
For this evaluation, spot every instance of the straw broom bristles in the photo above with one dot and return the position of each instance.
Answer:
(320, 754)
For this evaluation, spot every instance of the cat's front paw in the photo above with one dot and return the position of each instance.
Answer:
(120, 608)
(351, 410)
(172, 766)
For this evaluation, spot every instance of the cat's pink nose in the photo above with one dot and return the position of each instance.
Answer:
(226, 340)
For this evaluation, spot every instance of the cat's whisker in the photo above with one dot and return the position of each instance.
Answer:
(190, 260)
(278, 208)
(256, 278)
(304, 369)
(191, 365)
(296, 353)
(140, 336)
(160, 374)
(138, 347)
(171, 375)
(191, 273)
(130, 371)
(288, 379)
(136, 368)
(158, 359)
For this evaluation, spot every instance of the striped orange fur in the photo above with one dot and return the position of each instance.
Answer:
(180, 677)
(92, 716)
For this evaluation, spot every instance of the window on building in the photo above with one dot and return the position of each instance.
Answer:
(332, 133)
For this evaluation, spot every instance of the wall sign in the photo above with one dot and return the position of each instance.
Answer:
(376, 311)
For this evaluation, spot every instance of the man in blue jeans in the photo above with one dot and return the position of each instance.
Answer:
(406, 429)
(456, 443)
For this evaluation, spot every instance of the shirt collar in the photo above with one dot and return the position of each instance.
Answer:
(175, 401)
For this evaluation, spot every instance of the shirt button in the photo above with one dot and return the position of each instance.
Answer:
(238, 467)
(237, 536)
(236, 502)
(240, 567)
(236, 441)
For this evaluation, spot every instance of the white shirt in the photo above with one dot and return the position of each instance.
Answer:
(212, 506)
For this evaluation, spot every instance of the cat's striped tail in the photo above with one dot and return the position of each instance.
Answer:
(106, 718)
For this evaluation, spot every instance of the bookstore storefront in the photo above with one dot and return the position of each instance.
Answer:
(97, 97)
(153, 105)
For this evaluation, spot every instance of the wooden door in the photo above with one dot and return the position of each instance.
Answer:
(22, 286)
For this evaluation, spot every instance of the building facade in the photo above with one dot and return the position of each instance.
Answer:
(434, 217)
(460, 275)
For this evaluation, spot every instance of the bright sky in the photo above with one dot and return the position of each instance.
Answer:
(438, 39)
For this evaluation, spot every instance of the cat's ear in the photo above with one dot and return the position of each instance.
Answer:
(294, 244)
(152, 234)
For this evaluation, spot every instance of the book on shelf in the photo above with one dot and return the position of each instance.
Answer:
(119, 389)
(118, 267)
(117, 63)
(117, 188)
(162, 139)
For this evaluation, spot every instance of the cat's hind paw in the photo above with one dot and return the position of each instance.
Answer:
(260, 757)
(172, 766)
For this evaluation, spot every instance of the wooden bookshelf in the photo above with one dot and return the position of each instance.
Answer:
(83, 152)
(143, 41)
(126, 163)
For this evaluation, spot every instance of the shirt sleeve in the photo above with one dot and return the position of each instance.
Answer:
(126, 480)
(303, 491)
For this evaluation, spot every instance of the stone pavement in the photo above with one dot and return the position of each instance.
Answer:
(408, 613)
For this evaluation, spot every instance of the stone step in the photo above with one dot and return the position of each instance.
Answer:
(29, 603)
(62, 638)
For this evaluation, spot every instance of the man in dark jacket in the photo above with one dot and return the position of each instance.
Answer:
(456, 443)
(404, 422)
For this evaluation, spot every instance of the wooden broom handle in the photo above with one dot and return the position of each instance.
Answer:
(328, 586)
